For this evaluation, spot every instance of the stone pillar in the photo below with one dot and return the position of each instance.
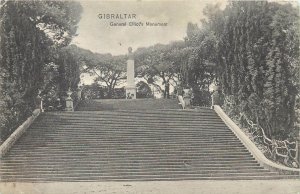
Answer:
(187, 94)
(69, 102)
(130, 85)
(215, 96)
(79, 93)
(39, 102)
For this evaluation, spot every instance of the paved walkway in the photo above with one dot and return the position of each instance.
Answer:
(163, 187)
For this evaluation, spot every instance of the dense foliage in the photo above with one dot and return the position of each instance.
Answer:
(98, 91)
(160, 63)
(143, 90)
(250, 49)
(182, 64)
(109, 71)
(31, 34)
(258, 50)
(62, 74)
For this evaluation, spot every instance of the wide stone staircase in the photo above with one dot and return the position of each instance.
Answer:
(130, 145)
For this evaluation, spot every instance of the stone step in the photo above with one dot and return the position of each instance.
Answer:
(116, 144)
(199, 109)
(126, 134)
(144, 122)
(140, 104)
(143, 136)
(128, 149)
(99, 137)
(132, 148)
(135, 176)
(149, 126)
(11, 161)
(110, 146)
(132, 154)
(81, 129)
(124, 171)
(135, 159)
(133, 113)
(95, 164)
(138, 141)
(120, 120)
(135, 145)
(199, 126)
(130, 158)
(130, 139)
(138, 116)
(130, 143)
(130, 134)
(144, 172)
(158, 110)
(141, 178)
(142, 128)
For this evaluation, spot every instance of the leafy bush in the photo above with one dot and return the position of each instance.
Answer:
(143, 90)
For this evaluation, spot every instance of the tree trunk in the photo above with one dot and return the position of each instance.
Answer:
(167, 90)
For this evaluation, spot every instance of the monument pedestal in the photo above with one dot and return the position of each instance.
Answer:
(69, 105)
(130, 92)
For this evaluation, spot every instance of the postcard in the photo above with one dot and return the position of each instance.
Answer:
(149, 96)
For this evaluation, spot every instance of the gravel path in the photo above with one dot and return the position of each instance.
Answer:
(163, 187)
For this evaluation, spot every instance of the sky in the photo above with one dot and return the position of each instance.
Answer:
(99, 36)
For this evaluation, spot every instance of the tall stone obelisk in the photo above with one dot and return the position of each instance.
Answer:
(130, 85)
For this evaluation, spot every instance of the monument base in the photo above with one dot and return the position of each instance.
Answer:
(69, 105)
(130, 93)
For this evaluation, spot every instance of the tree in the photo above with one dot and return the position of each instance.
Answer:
(159, 62)
(280, 91)
(29, 33)
(256, 56)
(109, 70)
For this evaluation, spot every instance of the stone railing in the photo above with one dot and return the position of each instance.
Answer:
(285, 149)
(9, 142)
(257, 154)
(278, 149)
